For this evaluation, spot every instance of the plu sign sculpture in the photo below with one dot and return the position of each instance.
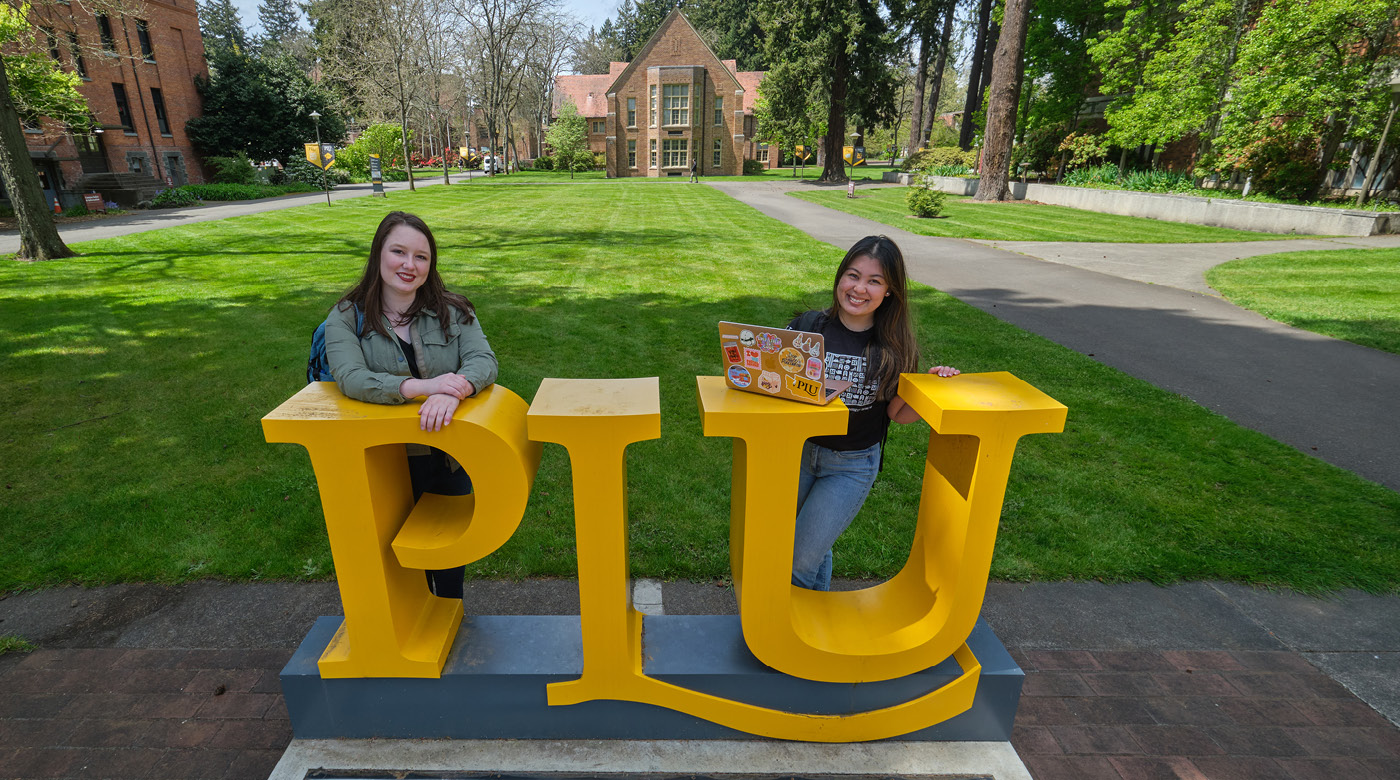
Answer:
(381, 540)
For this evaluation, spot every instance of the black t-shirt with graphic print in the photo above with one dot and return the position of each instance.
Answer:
(846, 361)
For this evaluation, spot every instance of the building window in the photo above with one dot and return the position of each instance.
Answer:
(762, 154)
(675, 102)
(30, 122)
(598, 127)
(653, 152)
(631, 154)
(719, 111)
(718, 149)
(138, 162)
(76, 51)
(143, 34)
(652, 115)
(674, 153)
(104, 29)
(631, 112)
(52, 43)
(159, 103)
(123, 110)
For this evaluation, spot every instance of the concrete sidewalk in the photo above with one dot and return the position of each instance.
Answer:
(1205, 680)
(155, 219)
(1328, 398)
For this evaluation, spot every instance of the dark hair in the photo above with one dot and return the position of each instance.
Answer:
(893, 348)
(368, 294)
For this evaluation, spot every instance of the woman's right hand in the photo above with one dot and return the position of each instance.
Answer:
(454, 385)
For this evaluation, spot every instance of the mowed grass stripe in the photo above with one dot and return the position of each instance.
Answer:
(1351, 294)
(1020, 220)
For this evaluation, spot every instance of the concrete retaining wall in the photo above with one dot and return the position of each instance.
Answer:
(1191, 209)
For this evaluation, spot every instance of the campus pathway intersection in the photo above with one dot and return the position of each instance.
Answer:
(1328, 398)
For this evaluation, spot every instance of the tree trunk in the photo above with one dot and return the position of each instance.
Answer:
(974, 76)
(939, 64)
(1002, 100)
(835, 168)
(916, 111)
(1330, 142)
(407, 160)
(39, 239)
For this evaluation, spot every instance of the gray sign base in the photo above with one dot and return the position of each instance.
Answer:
(493, 686)
(647, 760)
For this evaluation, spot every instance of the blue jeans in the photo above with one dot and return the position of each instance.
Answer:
(431, 474)
(831, 488)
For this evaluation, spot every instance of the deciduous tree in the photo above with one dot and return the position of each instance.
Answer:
(568, 137)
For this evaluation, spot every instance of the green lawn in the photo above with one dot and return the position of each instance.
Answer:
(1351, 294)
(1021, 220)
(137, 374)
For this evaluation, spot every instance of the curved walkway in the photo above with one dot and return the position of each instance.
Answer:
(1328, 398)
(154, 219)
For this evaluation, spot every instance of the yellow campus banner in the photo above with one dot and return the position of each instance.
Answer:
(322, 156)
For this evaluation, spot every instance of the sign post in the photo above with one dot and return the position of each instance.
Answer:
(376, 176)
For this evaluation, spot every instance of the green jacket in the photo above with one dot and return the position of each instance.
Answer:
(372, 368)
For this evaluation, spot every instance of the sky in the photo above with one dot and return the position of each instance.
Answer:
(591, 12)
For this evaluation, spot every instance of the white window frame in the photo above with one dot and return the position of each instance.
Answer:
(719, 110)
(597, 127)
(719, 150)
(632, 155)
(675, 105)
(653, 153)
(652, 116)
(675, 153)
(631, 112)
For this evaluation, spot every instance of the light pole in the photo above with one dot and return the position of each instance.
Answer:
(316, 122)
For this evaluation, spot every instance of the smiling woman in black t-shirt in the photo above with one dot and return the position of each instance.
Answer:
(869, 342)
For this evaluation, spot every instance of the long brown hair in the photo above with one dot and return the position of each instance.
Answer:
(893, 349)
(432, 295)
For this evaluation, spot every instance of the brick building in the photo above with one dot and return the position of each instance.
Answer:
(138, 77)
(675, 102)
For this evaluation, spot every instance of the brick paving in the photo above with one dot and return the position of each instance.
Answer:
(1200, 715)
(147, 713)
(1115, 715)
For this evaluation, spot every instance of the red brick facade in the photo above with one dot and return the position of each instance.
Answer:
(152, 63)
(674, 104)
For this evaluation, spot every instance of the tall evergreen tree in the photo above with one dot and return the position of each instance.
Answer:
(280, 20)
(830, 60)
(221, 27)
(732, 28)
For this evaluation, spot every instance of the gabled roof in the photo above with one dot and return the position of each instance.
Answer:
(671, 19)
(748, 80)
(588, 92)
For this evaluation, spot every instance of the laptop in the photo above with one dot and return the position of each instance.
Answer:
(779, 362)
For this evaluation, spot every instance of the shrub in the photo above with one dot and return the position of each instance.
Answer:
(600, 161)
(394, 174)
(1093, 176)
(582, 163)
(300, 169)
(175, 198)
(275, 175)
(1084, 148)
(245, 191)
(1039, 151)
(6, 212)
(940, 155)
(544, 163)
(237, 169)
(753, 168)
(1157, 181)
(1280, 168)
(951, 170)
(922, 199)
(76, 210)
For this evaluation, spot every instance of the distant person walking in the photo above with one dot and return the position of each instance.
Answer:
(694, 171)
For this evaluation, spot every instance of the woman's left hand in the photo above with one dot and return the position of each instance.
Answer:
(437, 411)
(944, 371)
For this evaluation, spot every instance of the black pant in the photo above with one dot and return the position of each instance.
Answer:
(431, 474)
